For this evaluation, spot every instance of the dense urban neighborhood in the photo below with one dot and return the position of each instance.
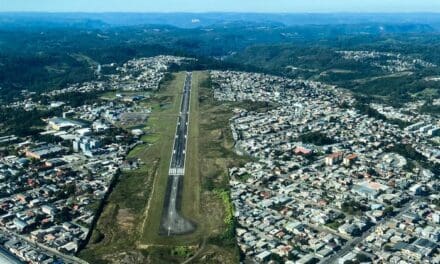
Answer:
(328, 182)
(328, 178)
(220, 132)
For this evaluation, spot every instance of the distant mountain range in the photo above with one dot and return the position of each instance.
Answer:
(425, 21)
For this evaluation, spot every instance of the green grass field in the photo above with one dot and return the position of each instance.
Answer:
(129, 223)
(191, 203)
(208, 156)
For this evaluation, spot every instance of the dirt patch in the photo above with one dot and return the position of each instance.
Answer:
(214, 210)
(132, 257)
(216, 134)
(133, 119)
(125, 219)
(214, 254)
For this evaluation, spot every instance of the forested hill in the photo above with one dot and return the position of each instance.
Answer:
(41, 52)
(391, 75)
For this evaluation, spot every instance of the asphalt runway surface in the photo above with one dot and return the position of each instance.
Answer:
(172, 222)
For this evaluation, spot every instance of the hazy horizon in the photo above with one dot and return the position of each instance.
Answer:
(219, 12)
(226, 6)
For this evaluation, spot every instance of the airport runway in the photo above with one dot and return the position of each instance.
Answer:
(173, 223)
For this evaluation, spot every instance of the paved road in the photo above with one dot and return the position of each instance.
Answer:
(173, 223)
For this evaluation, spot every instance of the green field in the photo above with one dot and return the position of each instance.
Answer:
(152, 222)
(129, 224)
(198, 204)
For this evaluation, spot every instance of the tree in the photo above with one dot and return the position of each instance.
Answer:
(63, 215)
(389, 210)
(316, 138)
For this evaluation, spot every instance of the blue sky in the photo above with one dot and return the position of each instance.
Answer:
(285, 6)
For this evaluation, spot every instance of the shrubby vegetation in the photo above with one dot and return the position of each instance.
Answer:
(181, 251)
(412, 155)
(429, 108)
(365, 109)
(316, 138)
(408, 152)
(74, 99)
(229, 218)
(23, 123)
(352, 207)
